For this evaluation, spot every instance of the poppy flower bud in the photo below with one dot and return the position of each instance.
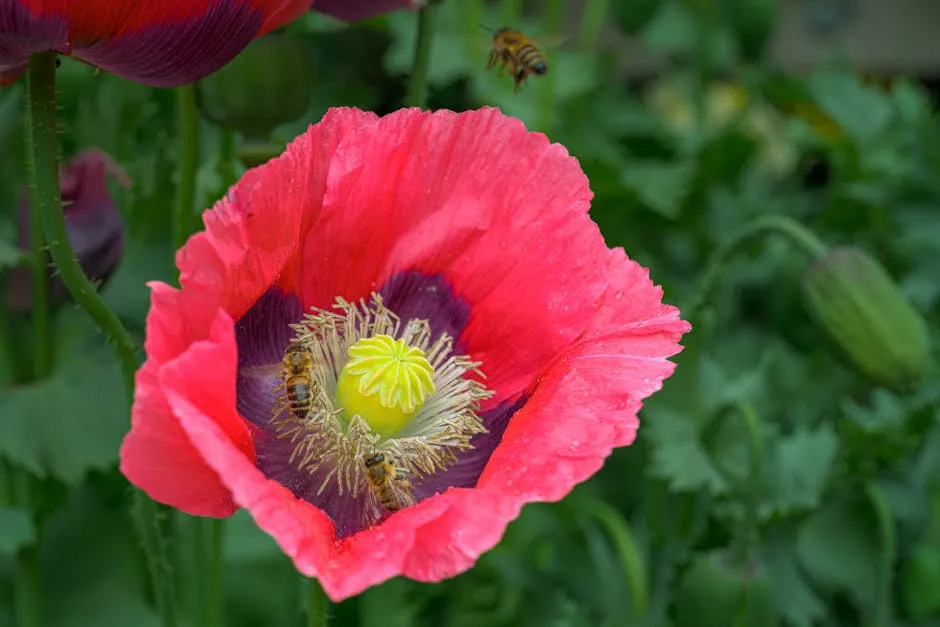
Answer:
(267, 85)
(94, 225)
(859, 307)
(715, 593)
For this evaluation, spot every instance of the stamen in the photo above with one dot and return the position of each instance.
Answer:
(382, 387)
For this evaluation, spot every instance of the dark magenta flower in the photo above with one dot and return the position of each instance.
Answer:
(94, 225)
(438, 296)
(355, 10)
(157, 42)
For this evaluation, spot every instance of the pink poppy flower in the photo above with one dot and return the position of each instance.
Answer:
(465, 320)
(159, 43)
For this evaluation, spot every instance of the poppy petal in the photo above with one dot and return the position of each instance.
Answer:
(252, 235)
(157, 43)
(477, 198)
(156, 455)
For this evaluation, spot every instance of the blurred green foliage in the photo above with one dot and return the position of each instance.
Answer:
(768, 480)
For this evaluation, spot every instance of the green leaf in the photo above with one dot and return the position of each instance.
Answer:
(804, 462)
(16, 529)
(678, 455)
(144, 260)
(886, 411)
(862, 112)
(89, 567)
(661, 185)
(72, 422)
(838, 548)
(719, 388)
(796, 599)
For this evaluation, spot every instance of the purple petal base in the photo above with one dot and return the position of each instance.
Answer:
(179, 53)
(262, 335)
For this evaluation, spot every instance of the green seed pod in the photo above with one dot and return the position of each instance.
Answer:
(861, 310)
(715, 593)
(920, 583)
(268, 84)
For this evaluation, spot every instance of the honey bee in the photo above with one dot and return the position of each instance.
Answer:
(391, 484)
(300, 387)
(517, 53)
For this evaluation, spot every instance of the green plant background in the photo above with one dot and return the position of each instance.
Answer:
(845, 500)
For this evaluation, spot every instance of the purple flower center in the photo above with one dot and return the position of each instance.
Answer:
(263, 335)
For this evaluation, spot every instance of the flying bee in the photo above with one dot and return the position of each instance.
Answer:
(517, 53)
(390, 483)
(300, 387)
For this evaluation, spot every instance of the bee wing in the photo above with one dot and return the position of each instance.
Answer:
(551, 41)
(260, 372)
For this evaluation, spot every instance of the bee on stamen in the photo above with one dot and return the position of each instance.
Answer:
(390, 483)
(300, 386)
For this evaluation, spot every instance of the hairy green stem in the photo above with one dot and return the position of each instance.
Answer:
(592, 23)
(418, 86)
(317, 604)
(44, 179)
(39, 273)
(804, 239)
(188, 119)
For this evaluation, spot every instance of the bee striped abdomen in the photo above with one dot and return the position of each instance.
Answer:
(299, 383)
(533, 59)
(299, 392)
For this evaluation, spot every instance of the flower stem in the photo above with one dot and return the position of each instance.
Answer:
(39, 285)
(804, 239)
(28, 587)
(592, 23)
(207, 536)
(553, 21)
(881, 614)
(317, 605)
(44, 180)
(751, 486)
(188, 130)
(418, 87)
(43, 167)
(510, 12)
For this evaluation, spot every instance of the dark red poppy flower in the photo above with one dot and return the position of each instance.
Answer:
(355, 10)
(94, 225)
(457, 338)
(159, 43)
